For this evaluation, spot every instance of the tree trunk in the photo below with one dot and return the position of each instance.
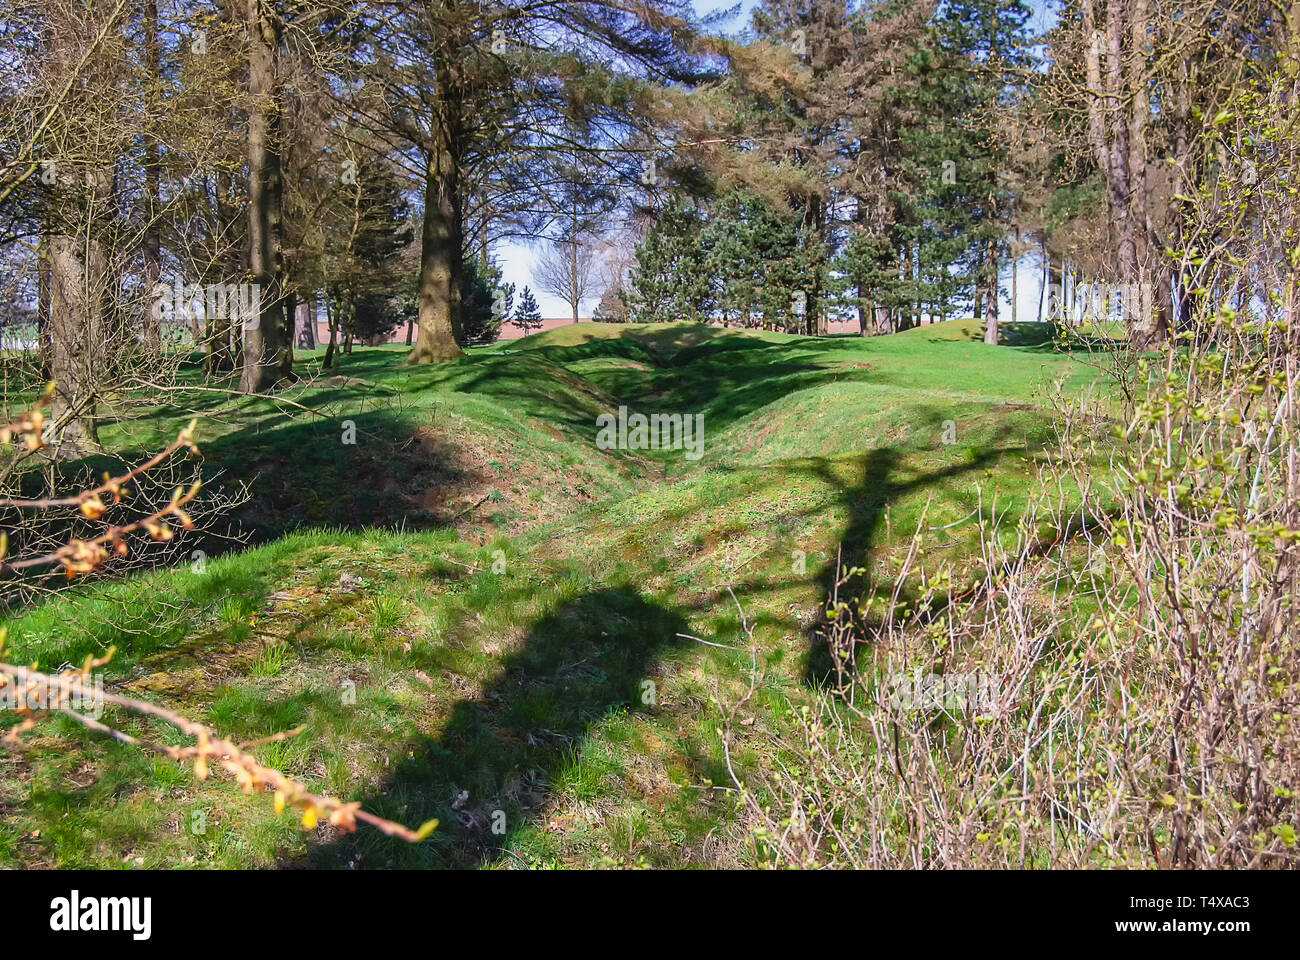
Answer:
(883, 323)
(1045, 282)
(817, 295)
(291, 316)
(78, 333)
(1117, 118)
(440, 240)
(1056, 281)
(264, 346)
(216, 339)
(914, 261)
(79, 215)
(1150, 326)
(305, 323)
(573, 267)
(43, 351)
(152, 183)
(1015, 275)
(1182, 114)
(331, 359)
(991, 301)
(288, 311)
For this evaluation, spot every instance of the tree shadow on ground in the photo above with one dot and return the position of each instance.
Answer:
(1047, 336)
(506, 749)
(364, 471)
(867, 502)
(729, 377)
(666, 340)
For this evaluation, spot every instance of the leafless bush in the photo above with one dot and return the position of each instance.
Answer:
(39, 526)
(1132, 635)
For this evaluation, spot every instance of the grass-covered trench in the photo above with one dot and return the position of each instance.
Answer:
(476, 612)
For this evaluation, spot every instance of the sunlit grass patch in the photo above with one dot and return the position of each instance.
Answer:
(518, 640)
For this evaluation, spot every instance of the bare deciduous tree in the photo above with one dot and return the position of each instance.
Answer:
(568, 269)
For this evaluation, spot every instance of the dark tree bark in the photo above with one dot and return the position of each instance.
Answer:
(305, 323)
(332, 306)
(264, 343)
(441, 238)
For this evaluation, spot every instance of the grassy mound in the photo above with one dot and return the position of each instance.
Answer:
(481, 616)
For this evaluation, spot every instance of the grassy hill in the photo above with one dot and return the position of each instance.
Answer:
(482, 617)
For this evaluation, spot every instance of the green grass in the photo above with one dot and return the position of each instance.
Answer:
(474, 599)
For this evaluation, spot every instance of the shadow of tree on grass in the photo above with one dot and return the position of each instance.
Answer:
(867, 502)
(504, 752)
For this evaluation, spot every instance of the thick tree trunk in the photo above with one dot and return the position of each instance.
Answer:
(884, 320)
(263, 360)
(1119, 176)
(440, 241)
(78, 217)
(918, 315)
(815, 316)
(78, 338)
